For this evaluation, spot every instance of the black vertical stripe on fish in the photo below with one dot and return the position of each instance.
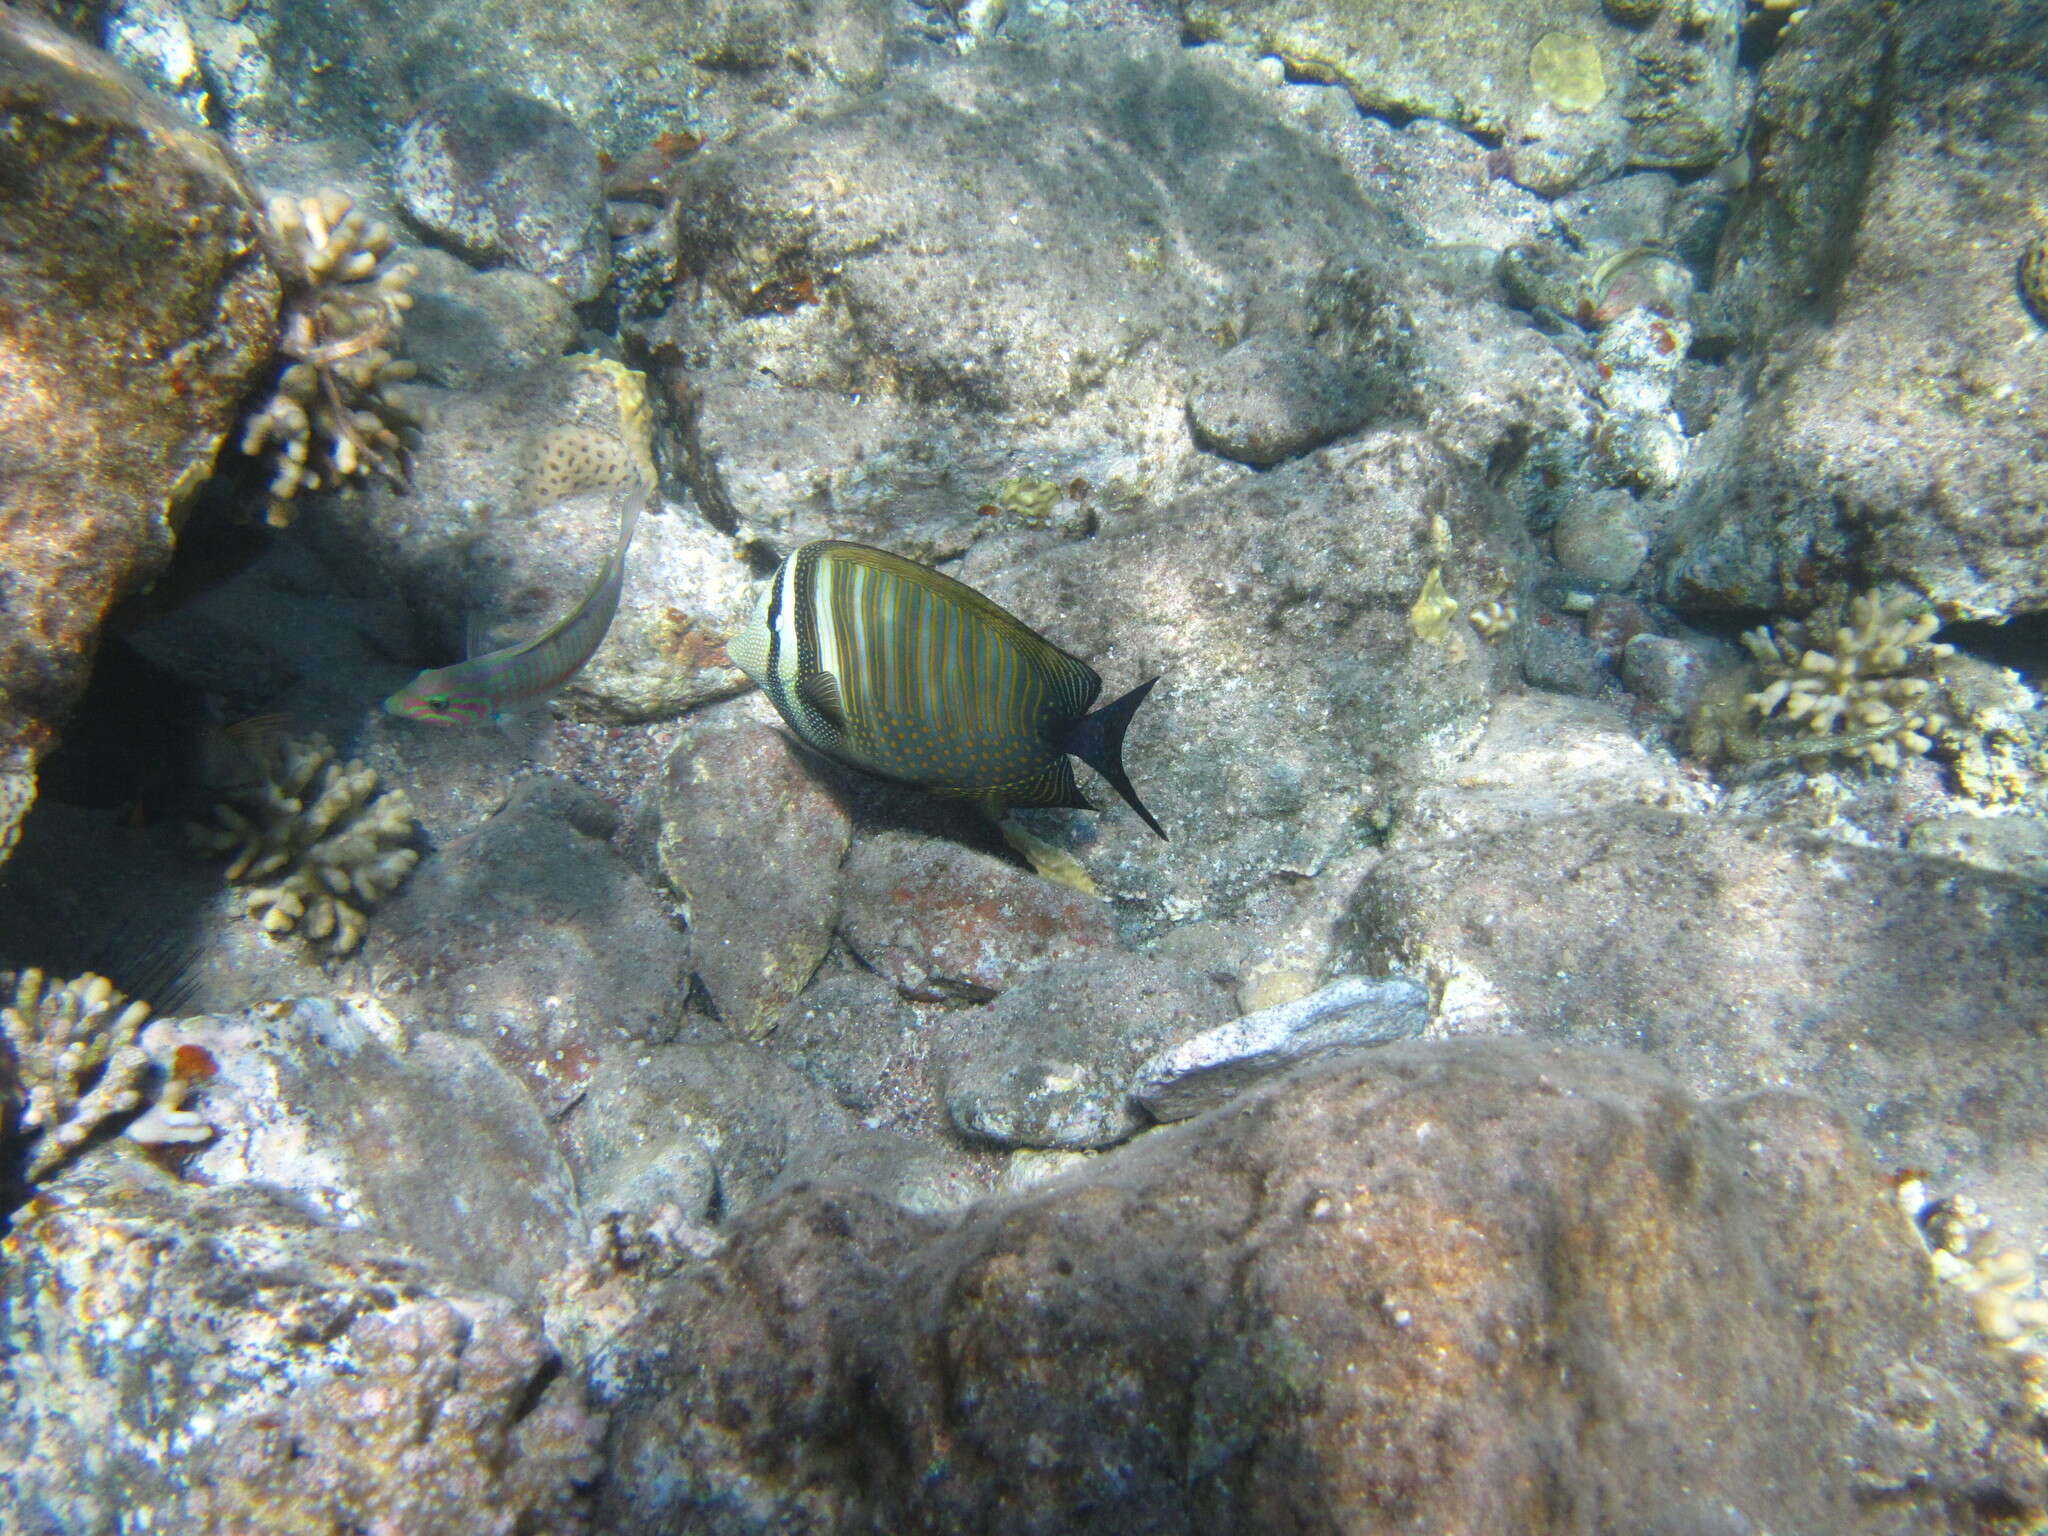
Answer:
(905, 673)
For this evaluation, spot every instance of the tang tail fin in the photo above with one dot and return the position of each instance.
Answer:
(1098, 740)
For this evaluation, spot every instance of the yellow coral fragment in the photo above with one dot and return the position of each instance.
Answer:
(1431, 616)
(1565, 71)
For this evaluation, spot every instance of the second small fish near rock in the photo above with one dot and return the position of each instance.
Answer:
(901, 671)
(500, 683)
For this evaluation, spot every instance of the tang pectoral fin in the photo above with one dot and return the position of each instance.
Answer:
(821, 691)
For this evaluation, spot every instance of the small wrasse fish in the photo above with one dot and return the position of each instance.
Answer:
(498, 683)
(905, 673)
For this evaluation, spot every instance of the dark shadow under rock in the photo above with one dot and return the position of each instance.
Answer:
(1476, 1286)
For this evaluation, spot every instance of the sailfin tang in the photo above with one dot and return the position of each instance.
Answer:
(1098, 740)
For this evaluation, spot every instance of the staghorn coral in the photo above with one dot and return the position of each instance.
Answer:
(79, 1066)
(1969, 1252)
(1870, 694)
(333, 414)
(315, 841)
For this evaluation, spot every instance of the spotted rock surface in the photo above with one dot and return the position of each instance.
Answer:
(1905, 991)
(1899, 441)
(1050, 1062)
(496, 940)
(223, 1359)
(1430, 1280)
(1573, 95)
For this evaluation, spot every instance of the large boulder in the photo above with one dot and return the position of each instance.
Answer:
(1472, 1288)
(136, 311)
(1905, 991)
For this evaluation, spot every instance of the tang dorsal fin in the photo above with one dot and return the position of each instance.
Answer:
(821, 691)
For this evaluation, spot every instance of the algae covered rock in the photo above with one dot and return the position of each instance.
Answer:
(1905, 991)
(1489, 1285)
(506, 178)
(139, 311)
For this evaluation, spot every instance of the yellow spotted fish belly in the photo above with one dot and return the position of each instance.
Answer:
(904, 672)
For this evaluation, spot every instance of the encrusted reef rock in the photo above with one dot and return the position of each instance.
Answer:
(417, 1135)
(1899, 440)
(1050, 1062)
(221, 1359)
(507, 178)
(943, 921)
(138, 311)
(1474, 1287)
(1906, 991)
(1573, 94)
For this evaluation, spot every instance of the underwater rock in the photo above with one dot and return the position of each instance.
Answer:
(1573, 94)
(1214, 1067)
(507, 178)
(751, 840)
(1541, 756)
(414, 1134)
(945, 922)
(1668, 675)
(855, 1036)
(1298, 706)
(532, 937)
(2012, 845)
(141, 312)
(1050, 1062)
(654, 1118)
(1338, 1289)
(1599, 538)
(988, 288)
(302, 1378)
(1269, 399)
(1900, 441)
(468, 328)
(1906, 991)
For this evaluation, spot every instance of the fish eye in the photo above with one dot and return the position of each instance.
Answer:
(437, 701)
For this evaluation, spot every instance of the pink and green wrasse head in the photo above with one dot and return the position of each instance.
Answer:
(442, 696)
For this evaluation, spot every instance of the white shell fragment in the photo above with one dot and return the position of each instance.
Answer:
(1215, 1066)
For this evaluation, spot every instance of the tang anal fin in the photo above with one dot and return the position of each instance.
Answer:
(1055, 788)
(1098, 740)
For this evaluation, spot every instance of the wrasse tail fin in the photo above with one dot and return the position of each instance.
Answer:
(1098, 740)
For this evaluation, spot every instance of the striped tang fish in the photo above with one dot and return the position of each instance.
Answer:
(894, 668)
(498, 683)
